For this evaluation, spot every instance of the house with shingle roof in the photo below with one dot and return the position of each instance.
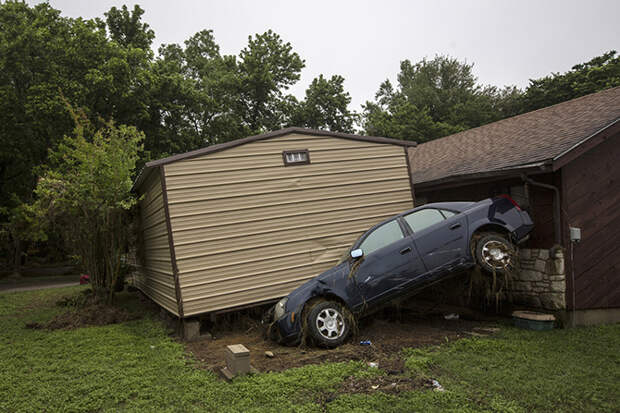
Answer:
(562, 164)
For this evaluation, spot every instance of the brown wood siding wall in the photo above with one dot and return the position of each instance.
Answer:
(248, 229)
(155, 276)
(541, 211)
(591, 196)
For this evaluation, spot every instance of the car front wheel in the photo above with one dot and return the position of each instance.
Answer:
(495, 253)
(328, 323)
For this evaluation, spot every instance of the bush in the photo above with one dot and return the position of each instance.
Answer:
(85, 195)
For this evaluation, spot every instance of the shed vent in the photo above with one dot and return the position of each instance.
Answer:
(299, 157)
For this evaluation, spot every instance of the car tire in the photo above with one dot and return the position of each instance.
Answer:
(328, 323)
(495, 253)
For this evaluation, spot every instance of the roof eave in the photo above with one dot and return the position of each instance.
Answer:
(274, 134)
(509, 172)
(142, 176)
(586, 144)
(281, 132)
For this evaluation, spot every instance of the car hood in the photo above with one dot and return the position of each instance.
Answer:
(334, 279)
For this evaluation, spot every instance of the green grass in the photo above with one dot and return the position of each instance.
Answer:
(135, 366)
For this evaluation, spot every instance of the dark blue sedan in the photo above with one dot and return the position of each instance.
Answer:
(397, 258)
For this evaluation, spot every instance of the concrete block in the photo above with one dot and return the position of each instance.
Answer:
(556, 278)
(238, 359)
(191, 329)
(543, 254)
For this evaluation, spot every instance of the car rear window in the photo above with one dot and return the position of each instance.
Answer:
(424, 218)
(381, 237)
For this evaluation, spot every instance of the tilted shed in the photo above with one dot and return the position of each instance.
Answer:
(247, 221)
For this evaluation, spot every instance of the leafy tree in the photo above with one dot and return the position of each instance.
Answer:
(45, 59)
(434, 98)
(326, 106)
(126, 28)
(31, 71)
(202, 107)
(85, 192)
(393, 115)
(267, 66)
(601, 72)
(19, 226)
(441, 85)
(203, 97)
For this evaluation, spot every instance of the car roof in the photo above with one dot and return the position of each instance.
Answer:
(453, 206)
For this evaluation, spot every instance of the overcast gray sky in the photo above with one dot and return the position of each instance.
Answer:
(364, 41)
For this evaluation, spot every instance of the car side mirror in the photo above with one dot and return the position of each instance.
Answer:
(357, 253)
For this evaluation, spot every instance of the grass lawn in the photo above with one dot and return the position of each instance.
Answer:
(136, 366)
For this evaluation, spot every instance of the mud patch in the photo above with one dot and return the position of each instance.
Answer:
(388, 338)
(369, 385)
(85, 310)
(97, 315)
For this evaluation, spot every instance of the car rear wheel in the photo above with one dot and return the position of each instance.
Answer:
(495, 253)
(328, 323)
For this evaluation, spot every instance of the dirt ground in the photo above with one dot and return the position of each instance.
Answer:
(387, 337)
(85, 310)
(388, 331)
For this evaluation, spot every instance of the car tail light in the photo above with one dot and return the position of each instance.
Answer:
(512, 201)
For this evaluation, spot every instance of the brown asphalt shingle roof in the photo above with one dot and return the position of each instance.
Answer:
(529, 138)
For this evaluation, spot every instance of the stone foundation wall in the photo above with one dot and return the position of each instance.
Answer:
(540, 281)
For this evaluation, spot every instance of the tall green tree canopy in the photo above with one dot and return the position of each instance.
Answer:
(326, 106)
(127, 29)
(196, 102)
(433, 98)
(205, 97)
(601, 72)
(437, 97)
(267, 67)
(46, 59)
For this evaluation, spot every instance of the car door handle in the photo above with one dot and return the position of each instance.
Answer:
(455, 226)
(406, 250)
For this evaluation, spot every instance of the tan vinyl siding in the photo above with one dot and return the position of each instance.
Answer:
(248, 229)
(155, 277)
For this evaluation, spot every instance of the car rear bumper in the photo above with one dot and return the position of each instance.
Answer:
(521, 233)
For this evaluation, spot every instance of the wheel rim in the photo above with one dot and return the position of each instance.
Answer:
(330, 324)
(496, 254)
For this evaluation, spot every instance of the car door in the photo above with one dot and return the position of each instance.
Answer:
(390, 260)
(440, 237)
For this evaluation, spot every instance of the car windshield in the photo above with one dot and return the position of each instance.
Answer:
(347, 253)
